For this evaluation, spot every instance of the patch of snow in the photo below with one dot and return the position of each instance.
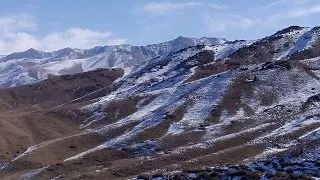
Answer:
(207, 94)
(294, 124)
(32, 174)
(312, 135)
(269, 152)
(299, 44)
(224, 50)
(145, 148)
(175, 128)
(302, 42)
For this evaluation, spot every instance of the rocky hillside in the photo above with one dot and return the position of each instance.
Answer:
(238, 109)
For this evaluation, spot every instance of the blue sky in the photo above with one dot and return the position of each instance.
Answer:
(51, 25)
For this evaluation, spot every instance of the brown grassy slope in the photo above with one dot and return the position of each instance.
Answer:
(56, 90)
(27, 116)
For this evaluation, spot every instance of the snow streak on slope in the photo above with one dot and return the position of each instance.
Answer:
(32, 174)
(302, 42)
(294, 41)
(205, 93)
(204, 98)
(224, 50)
(297, 36)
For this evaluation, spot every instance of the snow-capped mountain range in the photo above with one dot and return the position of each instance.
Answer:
(33, 65)
(189, 107)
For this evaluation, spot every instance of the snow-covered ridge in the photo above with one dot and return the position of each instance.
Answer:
(147, 52)
(32, 65)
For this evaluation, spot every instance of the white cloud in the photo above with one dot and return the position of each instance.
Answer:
(17, 34)
(160, 8)
(292, 14)
(300, 12)
(285, 3)
(227, 22)
(300, 9)
(273, 4)
(216, 6)
(75, 37)
(17, 22)
(17, 41)
(116, 41)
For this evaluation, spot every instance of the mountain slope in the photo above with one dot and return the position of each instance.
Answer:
(254, 103)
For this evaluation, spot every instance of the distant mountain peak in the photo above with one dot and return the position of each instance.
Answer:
(31, 49)
(143, 52)
(67, 49)
(290, 29)
(181, 37)
(30, 53)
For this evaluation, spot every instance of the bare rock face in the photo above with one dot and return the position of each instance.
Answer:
(241, 109)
